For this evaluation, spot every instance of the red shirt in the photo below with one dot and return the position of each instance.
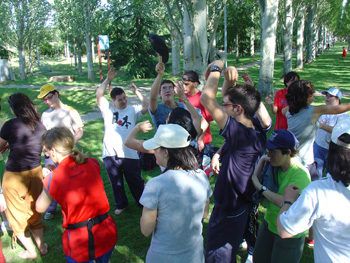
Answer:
(195, 101)
(79, 191)
(280, 102)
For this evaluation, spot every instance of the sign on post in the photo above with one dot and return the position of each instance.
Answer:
(104, 42)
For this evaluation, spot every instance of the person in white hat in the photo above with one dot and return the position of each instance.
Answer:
(176, 201)
(324, 204)
(332, 97)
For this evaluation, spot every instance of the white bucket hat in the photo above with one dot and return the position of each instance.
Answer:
(169, 136)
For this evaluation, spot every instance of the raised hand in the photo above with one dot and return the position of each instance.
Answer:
(111, 74)
(160, 68)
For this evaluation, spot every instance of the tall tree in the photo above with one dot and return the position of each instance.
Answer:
(268, 12)
(197, 21)
(287, 27)
(299, 61)
(28, 18)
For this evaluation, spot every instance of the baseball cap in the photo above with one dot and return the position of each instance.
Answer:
(282, 139)
(168, 136)
(341, 127)
(334, 92)
(191, 76)
(45, 89)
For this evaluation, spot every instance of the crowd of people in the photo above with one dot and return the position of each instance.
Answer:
(301, 170)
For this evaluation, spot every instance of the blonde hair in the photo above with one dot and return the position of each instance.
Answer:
(62, 140)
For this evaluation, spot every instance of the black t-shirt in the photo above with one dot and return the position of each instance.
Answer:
(25, 146)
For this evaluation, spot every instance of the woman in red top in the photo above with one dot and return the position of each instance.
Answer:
(91, 233)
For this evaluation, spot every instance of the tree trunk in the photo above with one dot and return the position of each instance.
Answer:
(195, 40)
(91, 76)
(75, 57)
(299, 63)
(213, 51)
(252, 38)
(20, 42)
(269, 12)
(310, 50)
(80, 65)
(237, 48)
(288, 37)
(67, 50)
(175, 55)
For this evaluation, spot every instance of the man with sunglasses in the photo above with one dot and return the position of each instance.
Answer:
(245, 136)
(58, 114)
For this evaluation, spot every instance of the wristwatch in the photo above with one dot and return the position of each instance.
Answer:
(286, 203)
(215, 68)
(263, 189)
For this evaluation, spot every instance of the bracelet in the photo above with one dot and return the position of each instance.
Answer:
(285, 203)
(185, 101)
(215, 68)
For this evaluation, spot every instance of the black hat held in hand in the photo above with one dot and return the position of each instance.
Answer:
(159, 46)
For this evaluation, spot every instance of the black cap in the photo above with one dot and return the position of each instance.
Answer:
(159, 46)
(191, 76)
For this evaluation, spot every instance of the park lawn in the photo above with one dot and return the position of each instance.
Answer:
(329, 70)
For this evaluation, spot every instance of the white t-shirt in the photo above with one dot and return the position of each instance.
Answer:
(324, 205)
(65, 117)
(322, 137)
(118, 123)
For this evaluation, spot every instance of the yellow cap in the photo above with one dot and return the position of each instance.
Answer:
(45, 89)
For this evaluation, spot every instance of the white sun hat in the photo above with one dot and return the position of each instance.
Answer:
(169, 136)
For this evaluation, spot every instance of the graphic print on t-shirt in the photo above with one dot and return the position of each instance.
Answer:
(123, 122)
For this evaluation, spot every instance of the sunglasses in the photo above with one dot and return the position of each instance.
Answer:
(229, 104)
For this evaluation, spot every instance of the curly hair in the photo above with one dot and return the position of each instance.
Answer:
(297, 96)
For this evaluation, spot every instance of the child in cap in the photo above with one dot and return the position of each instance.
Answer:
(281, 147)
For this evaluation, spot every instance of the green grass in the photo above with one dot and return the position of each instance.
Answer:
(329, 70)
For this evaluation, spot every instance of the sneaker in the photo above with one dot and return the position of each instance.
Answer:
(48, 216)
(309, 242)
(243, 245)
(119, 211)
(249, 259)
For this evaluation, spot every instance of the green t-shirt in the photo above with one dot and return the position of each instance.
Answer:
(297, 175)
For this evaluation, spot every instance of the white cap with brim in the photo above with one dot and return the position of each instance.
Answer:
(334, 92)
(168, 136)
(343, 126)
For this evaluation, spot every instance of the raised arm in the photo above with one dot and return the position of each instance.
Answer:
(179, 90)
(208, 97)
(153, 96)
(138, 94)
(100, 92)
(329, 109)
(231, 77)
(131, 140)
